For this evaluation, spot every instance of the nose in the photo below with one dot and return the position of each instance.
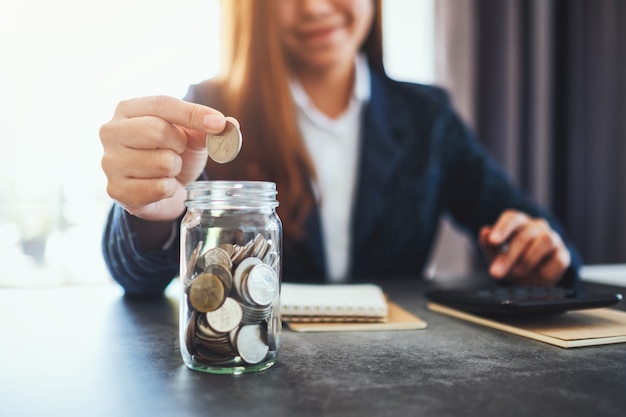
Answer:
(315, 7)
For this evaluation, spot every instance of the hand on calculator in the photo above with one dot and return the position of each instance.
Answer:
(524, 250)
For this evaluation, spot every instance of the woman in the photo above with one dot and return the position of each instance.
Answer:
(365, 166)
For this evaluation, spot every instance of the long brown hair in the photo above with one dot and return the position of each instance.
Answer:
(254, 86)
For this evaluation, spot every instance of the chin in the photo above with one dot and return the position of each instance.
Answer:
(327, 59)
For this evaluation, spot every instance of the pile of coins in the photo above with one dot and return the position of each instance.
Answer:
(231, 291)
(225, 146)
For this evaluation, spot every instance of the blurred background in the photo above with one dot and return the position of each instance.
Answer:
(540, 81)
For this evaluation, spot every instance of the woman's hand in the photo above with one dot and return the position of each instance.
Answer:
(524, 250)
(153, 147)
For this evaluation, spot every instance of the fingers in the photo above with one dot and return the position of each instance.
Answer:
(145, 132)
(507, 224)
(516, 241)
(553, 268)
(182, 113)
(537, 245)
(140, 177)
(136, 194)
(142, 164)
(534, 252)
(525, 251)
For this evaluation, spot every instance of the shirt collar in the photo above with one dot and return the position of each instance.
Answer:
(362, 84)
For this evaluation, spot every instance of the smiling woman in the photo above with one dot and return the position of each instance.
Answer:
(64, 66)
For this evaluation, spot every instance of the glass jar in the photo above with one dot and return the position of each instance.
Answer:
(230, 272)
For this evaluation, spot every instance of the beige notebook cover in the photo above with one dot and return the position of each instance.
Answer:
(591, 327)
(397, 319)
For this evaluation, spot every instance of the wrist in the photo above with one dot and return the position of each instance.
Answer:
(154, 235)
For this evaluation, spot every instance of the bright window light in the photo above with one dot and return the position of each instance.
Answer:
(64, 65)
(409, 36)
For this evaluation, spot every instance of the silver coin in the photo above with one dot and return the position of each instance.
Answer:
(271, 259)
(262, 284)
(274, 330)
(254, 314)
(225, 146)
(204, 330)
(251, 344)
(242, 271)
(225, 318)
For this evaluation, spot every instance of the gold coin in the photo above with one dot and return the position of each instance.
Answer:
(206, 293)
(228, 248)
(217, 256)
(223, 273)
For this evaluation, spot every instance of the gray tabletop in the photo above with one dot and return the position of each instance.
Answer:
(90, 351)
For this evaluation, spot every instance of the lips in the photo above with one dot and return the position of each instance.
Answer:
(318, 34)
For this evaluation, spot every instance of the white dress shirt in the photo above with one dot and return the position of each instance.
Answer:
(334, 147)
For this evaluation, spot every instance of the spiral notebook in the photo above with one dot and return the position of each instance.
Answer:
(343, 307)
(333, 302)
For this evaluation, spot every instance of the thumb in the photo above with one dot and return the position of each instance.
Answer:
(196, 140)
(489, 249)
(213, 123)
(483, 236)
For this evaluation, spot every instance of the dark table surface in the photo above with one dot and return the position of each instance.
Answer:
(90, 351)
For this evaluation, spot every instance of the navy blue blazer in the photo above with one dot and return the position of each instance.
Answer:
(417, 163)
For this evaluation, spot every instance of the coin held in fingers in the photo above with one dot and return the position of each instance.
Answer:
(225, 146)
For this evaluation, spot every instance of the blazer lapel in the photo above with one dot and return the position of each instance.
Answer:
(379, 158)
(313, 227)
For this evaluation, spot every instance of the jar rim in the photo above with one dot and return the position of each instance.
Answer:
(231, 194)
(227, 184)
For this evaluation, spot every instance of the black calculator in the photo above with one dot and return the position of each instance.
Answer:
(521, 300)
